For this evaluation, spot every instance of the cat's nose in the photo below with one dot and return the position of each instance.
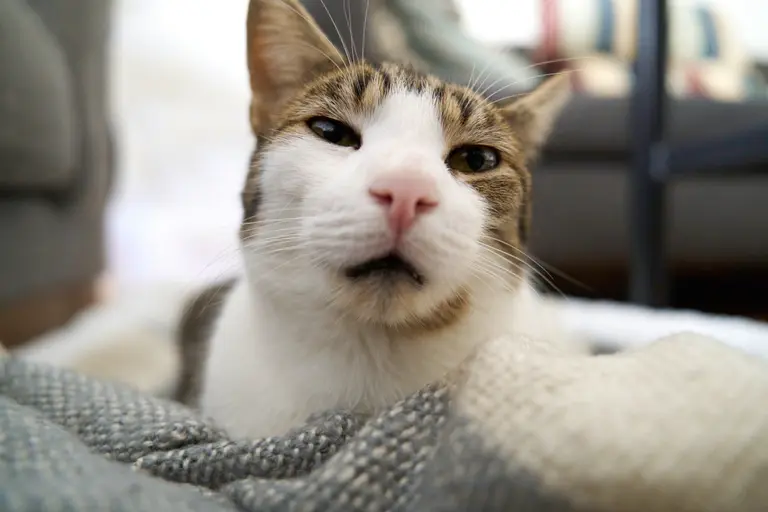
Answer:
(405, 196)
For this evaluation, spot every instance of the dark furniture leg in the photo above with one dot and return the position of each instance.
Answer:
(648, 273)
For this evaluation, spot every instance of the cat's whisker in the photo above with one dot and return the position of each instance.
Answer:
(270, 220)
(211, 302)
(549, 268)
(524, 256)
(283, 215)
(483, 73)
(259, 249)
(271, 232)
(474, 83)
(275, 211)
(307, 19)
(258, 244)
(536, 77)
(264, 252)
(258, 241)
(365, 26)
(516, 95)
(290, 261)
(518, 267)
(334, 297)
(532, 66)
(506, 256)
(489, 276)
(227, 251)
(511, 270)
(545, 267)
(286, 207)
(274, 245)
(315, 48)
(481, 271)
(338, 32)
(268, 255)
(471, 76)
(347, 7)
(525, 264)
(552, 269)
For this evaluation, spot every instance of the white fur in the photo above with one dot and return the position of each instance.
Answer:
(286, 345)
(269, 370)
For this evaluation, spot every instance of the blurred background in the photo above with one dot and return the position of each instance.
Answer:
(124, 138)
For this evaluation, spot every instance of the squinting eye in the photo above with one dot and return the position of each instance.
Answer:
(334, 132)
(473, 159)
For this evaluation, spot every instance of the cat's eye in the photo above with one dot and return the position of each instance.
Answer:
(334, 132)
(471, 159)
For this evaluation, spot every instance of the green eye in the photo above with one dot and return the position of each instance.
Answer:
(473, 159)
(334, 132)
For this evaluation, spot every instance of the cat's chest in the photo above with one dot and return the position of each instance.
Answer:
(266, 374)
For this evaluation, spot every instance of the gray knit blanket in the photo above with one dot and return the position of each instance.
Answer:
(680, 425)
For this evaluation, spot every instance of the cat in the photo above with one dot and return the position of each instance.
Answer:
(385, 218)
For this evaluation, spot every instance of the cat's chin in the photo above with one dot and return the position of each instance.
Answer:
(387, 292)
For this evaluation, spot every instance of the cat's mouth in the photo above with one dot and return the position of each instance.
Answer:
(390, 265)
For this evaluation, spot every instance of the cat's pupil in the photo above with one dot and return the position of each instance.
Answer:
(334, 132)
(476, 159)
(331, 131)
(473, 159)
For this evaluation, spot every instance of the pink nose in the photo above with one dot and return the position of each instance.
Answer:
(405, 196)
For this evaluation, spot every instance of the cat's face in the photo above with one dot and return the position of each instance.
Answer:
(391, 195)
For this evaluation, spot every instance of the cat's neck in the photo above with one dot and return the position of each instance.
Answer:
(299, 319)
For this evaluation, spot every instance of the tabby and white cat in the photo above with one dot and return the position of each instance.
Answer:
(385, 216)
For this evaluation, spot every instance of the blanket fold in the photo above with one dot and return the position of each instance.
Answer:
(678, 425)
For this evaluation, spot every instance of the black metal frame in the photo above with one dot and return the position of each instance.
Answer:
(655, 162)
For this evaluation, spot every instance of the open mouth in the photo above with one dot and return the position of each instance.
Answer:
(389, 265)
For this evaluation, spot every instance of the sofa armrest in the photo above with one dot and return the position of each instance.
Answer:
(37, 116)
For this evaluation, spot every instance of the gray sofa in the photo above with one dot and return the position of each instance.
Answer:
(580, 189)
(56, 153)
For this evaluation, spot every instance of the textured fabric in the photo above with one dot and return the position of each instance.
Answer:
(679, 425)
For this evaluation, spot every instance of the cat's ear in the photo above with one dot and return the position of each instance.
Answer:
(285, 47)
(533, 115)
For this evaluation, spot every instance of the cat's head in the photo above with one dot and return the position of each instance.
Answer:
(390, 195)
